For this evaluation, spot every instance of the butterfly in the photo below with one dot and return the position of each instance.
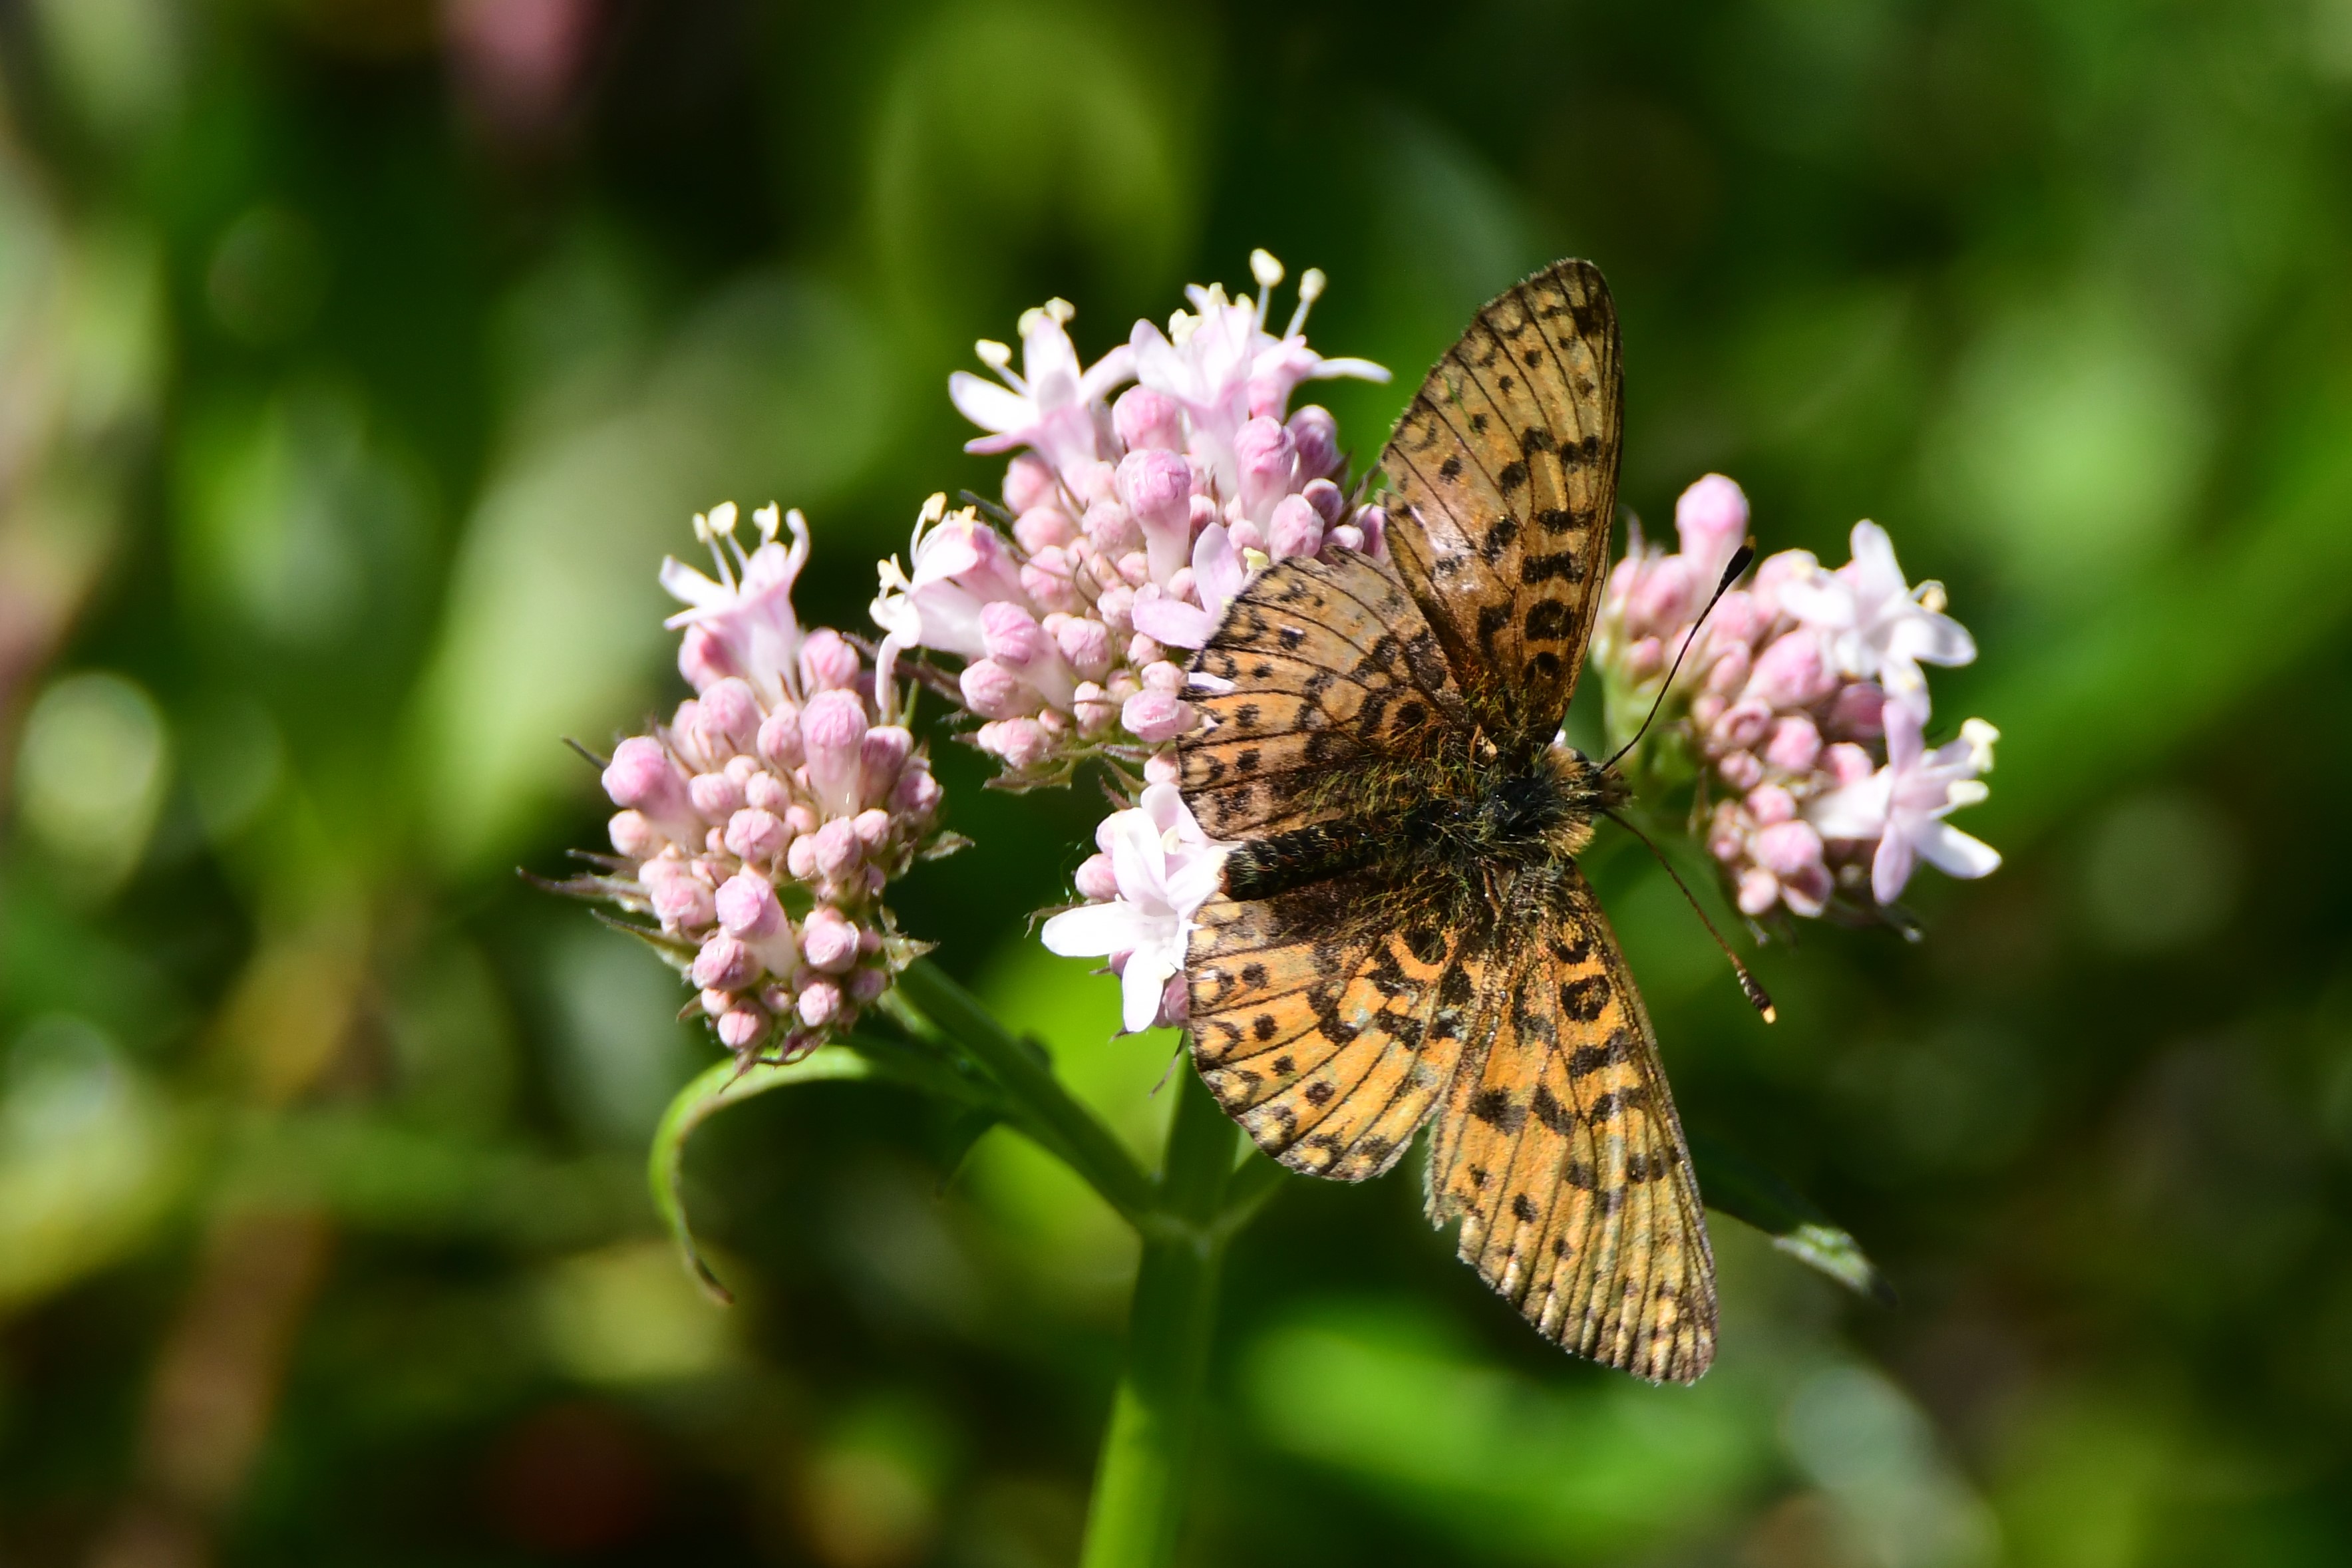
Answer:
(1402, 935)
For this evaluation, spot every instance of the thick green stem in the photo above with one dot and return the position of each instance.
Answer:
(1141, 1485)
(1037, 1103)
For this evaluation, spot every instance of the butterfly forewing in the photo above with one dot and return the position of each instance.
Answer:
(1560, 1151)
(1501, 481)
(1333, 667)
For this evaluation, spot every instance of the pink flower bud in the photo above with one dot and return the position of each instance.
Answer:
(747, 907)
(1043, 527)
(1315, 437)
(1096, 880)
(1646, 658)
(800, 857)
(723, 965)
(1246, 535)
(828, 940)
(1791, 671)
(1092, 708)
(1706, 709)
(1084, 644)
(716, 1003)
(820, 1004)
(1111, 529)
(755, 835)
(1148, 421)
(1158, 489)
(1175, 1002)
(1021, 743)
(917, 794)
(1269, 462)
(764, 792)
(1730, 670)
(1726, 832)
(1345, 535)
(780, 738)
(1011, 635)
(1135, 569)
(1795, 745)
(1740, 770)
(1048, 585)
(1164, 675)
(993, 690)
(730, 712)
(832, 730)
(1742, 725)
(1117, 609)
(1662, 597)
(1777, 570)
(1374, 521)
(837, 848)
(828, 662)
(633, 835)
(1737, 619)
(865, 985)
(715, 795)
(1143, 650)
(1847, 763)
(1028, 482)
(1711, 518)
(1090, 479)
(1160, 767)
(641, 774)
(1330, 502)
(1859, 710)
(872, 827)
(880, 757)
(1155, 717)
(1759, 891)
(703, 658)
(739, 1029)
(1295, 528)
(1789, 850)
(1768, 803)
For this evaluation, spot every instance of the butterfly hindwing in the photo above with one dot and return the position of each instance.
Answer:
(1501, 480)
(1327, 1037)
(1332, 668)
(1559, 1150)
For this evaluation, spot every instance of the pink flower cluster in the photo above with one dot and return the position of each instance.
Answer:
(1802, 705)
(761, 825)
(1133, 522)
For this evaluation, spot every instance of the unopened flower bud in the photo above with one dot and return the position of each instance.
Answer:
(1795, 745)
(832, 730)
(1084, 644)
(745, 904)
(1158, 489)
(1374, 521)
(880, 757)
(1711, 518)
(865, 985)
(1759, 891)
(1111, 529)
(633, 835)
(755, 835)
(703, 658)
(1148, 421)
(1295, 528)
(1164, 675)
(916, 795)
(741, 1028)
(1155, 717)
(1117, 609)
(1315, 437)
(828, 940)
(872, 827)
(1142, 650)
(800, 857)
(1092, 708)
(1646, 657)
(1791, 671)
(1135, 569)
(715, 795)
(1740, 770)
(1043, 527)
(1096, 880)
(828, 662)
(1269, 462)
(723, 965)
(993, 690)
(1011, 636)
(1768, 803)
(729, 713)
(820, 1004)
(1847, 763)
(1730, 670)
(780, 738)
(642, 775)
(1021, 743)
(1789, 850)
(1028, 482)
(1742, 725)
(1859, 710)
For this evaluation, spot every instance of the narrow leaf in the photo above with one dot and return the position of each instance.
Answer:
(1737, 1185)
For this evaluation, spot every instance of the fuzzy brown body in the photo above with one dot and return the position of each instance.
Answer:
(1403, 936)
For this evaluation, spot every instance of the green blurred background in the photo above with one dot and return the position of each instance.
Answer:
(359, 360)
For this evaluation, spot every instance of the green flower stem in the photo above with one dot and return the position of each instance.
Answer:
(1036, 1101)
(1142, 1483)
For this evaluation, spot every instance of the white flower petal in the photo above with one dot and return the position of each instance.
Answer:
(1956, 854)
(1095, 930)
(989, 405)
(1141, 986)
(1890, 869)
(1858, 811)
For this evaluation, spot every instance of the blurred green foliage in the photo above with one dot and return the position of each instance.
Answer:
(359, 359)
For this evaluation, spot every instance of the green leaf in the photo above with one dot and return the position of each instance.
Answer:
(723, 1084)
(1737, 1185)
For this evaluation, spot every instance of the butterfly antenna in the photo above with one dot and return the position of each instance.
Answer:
(1739, 560)
(1756, 995)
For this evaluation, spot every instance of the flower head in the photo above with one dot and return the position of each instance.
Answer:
(1052, 405)
(1880, 627)
(741, 624)
(1902, 805)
